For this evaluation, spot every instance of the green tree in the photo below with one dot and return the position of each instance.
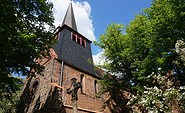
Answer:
(154, 34)
(117, 76)
(167, 25)
(148, 45)
(24, 37)
(9, 101)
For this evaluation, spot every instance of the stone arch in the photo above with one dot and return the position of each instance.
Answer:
(95, 87)
(82, 80)
(34, 88)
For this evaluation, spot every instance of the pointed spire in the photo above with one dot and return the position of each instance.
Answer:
(69, 18)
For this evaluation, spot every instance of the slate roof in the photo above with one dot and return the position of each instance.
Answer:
(69, 18)
(69, 51)
(73, 53)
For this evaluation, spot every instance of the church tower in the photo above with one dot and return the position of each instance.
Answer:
(72, 47)
(71, 58)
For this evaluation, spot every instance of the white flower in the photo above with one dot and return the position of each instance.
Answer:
(182, 87)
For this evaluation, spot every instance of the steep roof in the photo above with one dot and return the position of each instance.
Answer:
(69, 18)
(69, 50)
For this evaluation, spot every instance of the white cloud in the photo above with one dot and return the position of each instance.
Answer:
(82, 12)
(99, 58)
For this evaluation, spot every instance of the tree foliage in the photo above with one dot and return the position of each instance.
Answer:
(154, 34)
(164, 97)
(24, 37)
(148, 45)
(9, 99)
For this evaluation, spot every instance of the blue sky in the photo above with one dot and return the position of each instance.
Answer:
(105, 12)
(93, 16)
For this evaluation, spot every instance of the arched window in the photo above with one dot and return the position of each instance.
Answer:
(83, 43)
(33, 89)
(73, 37)
(82, 80)
(95, 87)
(78, 40)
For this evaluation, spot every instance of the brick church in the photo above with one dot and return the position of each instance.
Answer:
(71, 58)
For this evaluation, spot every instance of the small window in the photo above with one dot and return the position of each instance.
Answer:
(33, 89)
(82, 80)
(95, 87)
(73, 37)
(78, 40)
(83, 43)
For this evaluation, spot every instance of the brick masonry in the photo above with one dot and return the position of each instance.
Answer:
(43, 93)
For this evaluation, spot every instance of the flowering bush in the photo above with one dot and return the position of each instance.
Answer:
(164, 96)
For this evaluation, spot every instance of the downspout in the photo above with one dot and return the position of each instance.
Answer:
(52, 70)
(61, 73)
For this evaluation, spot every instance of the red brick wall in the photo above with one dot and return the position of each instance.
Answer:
(87, 99)
(49, 81)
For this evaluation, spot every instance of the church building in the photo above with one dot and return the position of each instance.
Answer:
(71, 59)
